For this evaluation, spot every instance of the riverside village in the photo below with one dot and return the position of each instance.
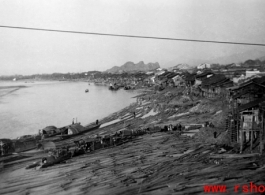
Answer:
(191, 130)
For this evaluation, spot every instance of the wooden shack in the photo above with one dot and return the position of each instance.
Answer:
(251, 121)
(245, 122)
(215, 86)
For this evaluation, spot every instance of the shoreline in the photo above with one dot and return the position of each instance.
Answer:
(155, 163)
(9, 89)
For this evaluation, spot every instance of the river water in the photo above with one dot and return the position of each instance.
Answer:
(42, 104)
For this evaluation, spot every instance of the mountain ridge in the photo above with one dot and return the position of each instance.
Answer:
(132, 67)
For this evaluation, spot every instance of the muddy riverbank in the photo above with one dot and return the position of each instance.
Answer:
(156, 163)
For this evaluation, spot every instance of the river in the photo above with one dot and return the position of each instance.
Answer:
(40, 104)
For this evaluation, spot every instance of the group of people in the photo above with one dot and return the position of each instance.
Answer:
(177, 127)
(209, 124)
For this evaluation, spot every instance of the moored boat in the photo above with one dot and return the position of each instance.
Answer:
(77, 129)
(50, 131)
(114, 87)
(127, 87)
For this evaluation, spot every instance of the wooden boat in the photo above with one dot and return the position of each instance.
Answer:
(77, 129)
(127, 88)
(113, 87)
(50, 131)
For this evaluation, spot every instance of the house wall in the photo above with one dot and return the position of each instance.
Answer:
(178, 81)
(249, 123)
(203, 66)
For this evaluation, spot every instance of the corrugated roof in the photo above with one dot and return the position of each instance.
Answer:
(213, 80)
(243, 85)
(259, 80)
(167, 74)
(256, 90)
(162, 75)
(204, 74)
(173, 74)
(225, 83)
(189, 77)
(251, 104)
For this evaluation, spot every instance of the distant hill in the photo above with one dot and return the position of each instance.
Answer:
(131, 67)
(93, 72)
(238, 57)
(181, 67)
(262, 59)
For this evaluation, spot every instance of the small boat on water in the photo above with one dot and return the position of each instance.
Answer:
(127, 87)
(86, 90)
(113, 88)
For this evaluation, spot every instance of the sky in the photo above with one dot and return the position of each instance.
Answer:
(35, 52)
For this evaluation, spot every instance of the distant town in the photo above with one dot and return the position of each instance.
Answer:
(210, 115)
(133, 76)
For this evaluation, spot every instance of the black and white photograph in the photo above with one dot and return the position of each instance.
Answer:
(132, 97)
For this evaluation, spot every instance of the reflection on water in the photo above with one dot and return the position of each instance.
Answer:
(41, 104)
